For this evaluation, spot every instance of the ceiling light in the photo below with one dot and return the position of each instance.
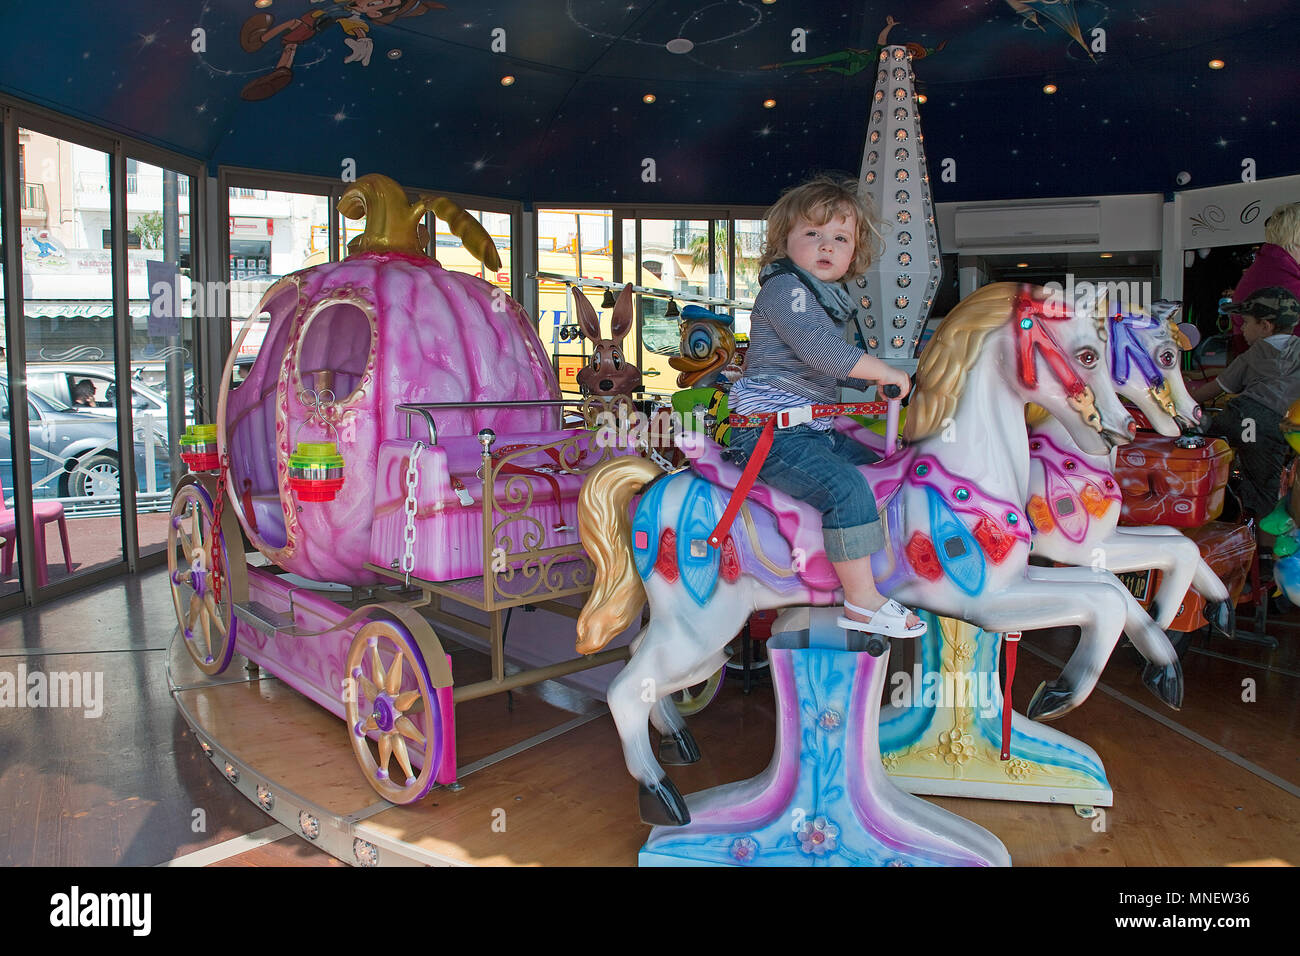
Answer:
(507, 80)
(679, 45)
(768, 104)
(1049, 88)
(262, 4)
(922, 98)
(1022, 265)
(1217, 64)
(1107, 255)
(648, 98)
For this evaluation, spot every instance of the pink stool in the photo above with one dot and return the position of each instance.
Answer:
(43, 512)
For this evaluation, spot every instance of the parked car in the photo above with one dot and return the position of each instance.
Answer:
(79, 446)
(59, 382)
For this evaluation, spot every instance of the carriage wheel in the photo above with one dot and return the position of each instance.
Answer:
(389, 697)
(206, 620)
(691, 700)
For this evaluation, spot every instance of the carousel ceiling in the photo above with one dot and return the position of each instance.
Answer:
(747, 96)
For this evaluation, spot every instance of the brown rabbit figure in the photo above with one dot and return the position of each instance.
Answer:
(608, 372)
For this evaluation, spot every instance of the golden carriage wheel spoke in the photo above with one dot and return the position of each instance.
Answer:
(376, 665)
(368, 687)
(211, 604)
(403, 702)
(403, 758)
(385, 750)
(406, 727)
(394, 682)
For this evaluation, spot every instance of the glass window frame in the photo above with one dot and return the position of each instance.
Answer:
(18, 114)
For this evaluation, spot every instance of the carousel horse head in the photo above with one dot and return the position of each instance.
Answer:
(1051, 356)
(1144, 352)
(609, 372)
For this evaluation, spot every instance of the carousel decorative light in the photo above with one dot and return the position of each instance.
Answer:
(316, 467)
(316, 471)
(199, 448)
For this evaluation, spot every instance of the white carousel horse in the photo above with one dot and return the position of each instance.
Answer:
(957, 537)
(1074, 500)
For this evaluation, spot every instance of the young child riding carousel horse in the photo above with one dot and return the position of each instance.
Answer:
(819, 234)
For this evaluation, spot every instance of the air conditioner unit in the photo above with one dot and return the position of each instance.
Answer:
(1021, 225)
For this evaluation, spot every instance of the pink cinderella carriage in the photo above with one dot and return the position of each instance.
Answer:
(400, 431)
(958, 541)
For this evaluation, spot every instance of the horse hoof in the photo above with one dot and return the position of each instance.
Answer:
(1216, 614)
(679, 748)
(1050, 701)
(1166, 682)
(662, 806)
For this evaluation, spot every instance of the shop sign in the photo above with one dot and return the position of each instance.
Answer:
(1231, 215)
(250, 227)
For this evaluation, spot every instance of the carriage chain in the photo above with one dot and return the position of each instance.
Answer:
(408, 536)
(215, 537)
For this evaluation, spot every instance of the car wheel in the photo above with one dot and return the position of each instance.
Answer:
(98, 476)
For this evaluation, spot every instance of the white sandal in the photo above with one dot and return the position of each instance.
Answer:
(890, 619)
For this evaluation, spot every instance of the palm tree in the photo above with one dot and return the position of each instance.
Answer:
(746, 266)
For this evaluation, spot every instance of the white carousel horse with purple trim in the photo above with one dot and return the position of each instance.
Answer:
(1074, 500)
(957, 538)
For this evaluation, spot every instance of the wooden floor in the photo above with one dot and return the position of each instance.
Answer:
(1215, 784)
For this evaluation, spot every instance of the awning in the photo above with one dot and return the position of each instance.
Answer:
(79, 309)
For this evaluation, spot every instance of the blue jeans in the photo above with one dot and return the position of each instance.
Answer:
(818, 467)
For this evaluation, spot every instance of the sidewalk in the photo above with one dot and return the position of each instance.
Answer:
(95, 543)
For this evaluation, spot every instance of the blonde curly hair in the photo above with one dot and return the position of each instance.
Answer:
(1282, 228)
(819, 200)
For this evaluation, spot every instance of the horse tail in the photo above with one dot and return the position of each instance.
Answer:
(605, 529)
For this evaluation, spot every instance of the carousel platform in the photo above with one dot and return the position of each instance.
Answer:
(542, 780)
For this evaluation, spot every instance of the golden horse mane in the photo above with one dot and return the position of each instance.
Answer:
(941, 374)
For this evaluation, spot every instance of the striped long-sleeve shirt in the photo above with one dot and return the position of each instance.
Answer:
(797, 353)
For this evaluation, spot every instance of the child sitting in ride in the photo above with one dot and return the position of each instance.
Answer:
(818, 234)
(1265, 380)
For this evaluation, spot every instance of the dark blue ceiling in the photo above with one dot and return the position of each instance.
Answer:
(428, 107)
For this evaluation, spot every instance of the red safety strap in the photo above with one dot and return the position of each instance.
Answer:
(746, 482)
(769, 420)
(1013, 643)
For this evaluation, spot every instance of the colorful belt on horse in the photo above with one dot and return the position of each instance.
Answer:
(789, 417)
(786, 418)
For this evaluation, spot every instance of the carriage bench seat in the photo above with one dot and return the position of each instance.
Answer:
(536, 500)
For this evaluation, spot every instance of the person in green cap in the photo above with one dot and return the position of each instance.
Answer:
(1264, 381)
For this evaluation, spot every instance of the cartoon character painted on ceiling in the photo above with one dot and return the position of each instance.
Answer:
(350, 15)
(853, 61)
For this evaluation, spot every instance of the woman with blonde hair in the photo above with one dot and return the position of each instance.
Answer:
(1276, 264)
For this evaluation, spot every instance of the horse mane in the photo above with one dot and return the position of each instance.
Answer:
(941, 374)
